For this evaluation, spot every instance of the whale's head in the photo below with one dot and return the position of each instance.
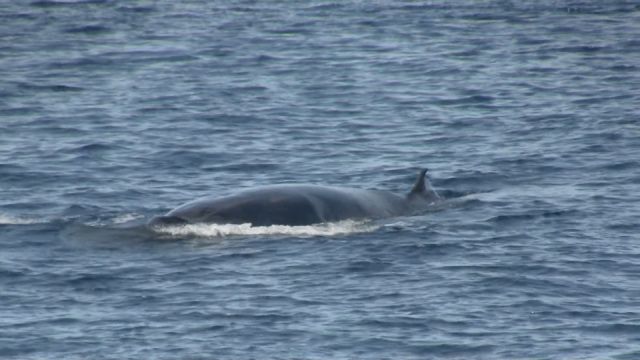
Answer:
(423, 194)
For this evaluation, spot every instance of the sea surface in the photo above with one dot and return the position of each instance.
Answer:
(527, 114)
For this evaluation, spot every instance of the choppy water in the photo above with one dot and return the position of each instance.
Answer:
(525, 112)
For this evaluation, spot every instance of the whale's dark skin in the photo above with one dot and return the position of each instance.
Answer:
(300, 205)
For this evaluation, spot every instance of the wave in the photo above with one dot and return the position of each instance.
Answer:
(219, 230)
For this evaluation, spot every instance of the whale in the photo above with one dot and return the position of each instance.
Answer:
(301, 204)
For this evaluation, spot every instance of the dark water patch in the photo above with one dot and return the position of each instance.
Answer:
(632, 355)
(91, 62)
(631, 44)
(488, 17)
(601, 99)
(538, 70)
(516, 219)
(75, 210)
(27, 206)
(88, 30)
(453, 194)
(612, 135)
(467, 100)
(526, 40)
(250, 89)
(581, 49)
(12, 274)
(18, 14)
(244, 167)
(629, 227)
(280, 299)
(538, 306)
(185, 158)
(531, 165)
(121, 59)
(378, 296)
(62, 4)
(623, 68)
(452, 350)
(16, 348)
(620, 166)
(472, 181)
(305, 29)
(148, 57)
(236, 120)
(509, 239)
(52, 321)
(385, 345)
(37, 178)
(327, 6)
(594, 148)
(53, 88)
(146, 111)
(462, 54)
(367, 266)
(413, 252)
(256, 318)
(400, 322)
(35, 234)
(616, 79)
(137, 9)
(6, 168)
(94, 283)
(239, 255)
(613, 329)
(423, 6)
(528, 269)
(91, 148)
(518, 282)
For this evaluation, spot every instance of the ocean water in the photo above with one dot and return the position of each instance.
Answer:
(526, 113)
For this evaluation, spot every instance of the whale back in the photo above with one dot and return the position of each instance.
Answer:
(290, 205)
(295, 205)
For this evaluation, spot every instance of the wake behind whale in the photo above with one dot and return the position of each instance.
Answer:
(301, 205)
(224, 230)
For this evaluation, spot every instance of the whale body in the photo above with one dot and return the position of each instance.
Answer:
(296, 205)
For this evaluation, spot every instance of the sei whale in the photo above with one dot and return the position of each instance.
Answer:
(296, 205)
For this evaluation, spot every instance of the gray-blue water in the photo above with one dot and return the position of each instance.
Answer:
(526, 113)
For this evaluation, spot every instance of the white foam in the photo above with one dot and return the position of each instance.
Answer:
(218, 230)
(125, 218)
(12, 220)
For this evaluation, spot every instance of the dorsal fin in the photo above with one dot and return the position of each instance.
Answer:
(419, 187)
(422, 188)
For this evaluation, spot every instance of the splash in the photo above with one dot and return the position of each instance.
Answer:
(12, 220)
(220, 230)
